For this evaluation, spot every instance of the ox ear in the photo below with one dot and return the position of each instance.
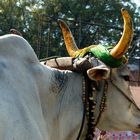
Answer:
(98, 73)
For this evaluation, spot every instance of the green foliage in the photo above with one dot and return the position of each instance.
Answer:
(91, 22)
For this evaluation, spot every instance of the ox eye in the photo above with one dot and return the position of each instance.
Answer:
(126, 77)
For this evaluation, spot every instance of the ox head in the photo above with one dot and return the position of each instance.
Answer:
(116, 76)
(112, 56)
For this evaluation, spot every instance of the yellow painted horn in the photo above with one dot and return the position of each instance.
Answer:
(126, 38)
(68, 38)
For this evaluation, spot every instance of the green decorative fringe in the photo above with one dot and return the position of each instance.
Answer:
(102, 53)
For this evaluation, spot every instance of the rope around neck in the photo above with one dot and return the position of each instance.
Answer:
(89, 101)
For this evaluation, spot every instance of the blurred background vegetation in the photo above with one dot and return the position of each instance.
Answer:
(91, 22)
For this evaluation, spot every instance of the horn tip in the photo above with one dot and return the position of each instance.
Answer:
(123, 9)
(63, 25)
(60, 21)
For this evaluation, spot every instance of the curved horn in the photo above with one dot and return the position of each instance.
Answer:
(68, 38)
(126, 38)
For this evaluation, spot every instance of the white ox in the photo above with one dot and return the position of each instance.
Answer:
(41, 103)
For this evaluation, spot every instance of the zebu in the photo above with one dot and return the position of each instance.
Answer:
(42, 103)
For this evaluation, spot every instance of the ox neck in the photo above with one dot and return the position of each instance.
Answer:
(94, 99)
